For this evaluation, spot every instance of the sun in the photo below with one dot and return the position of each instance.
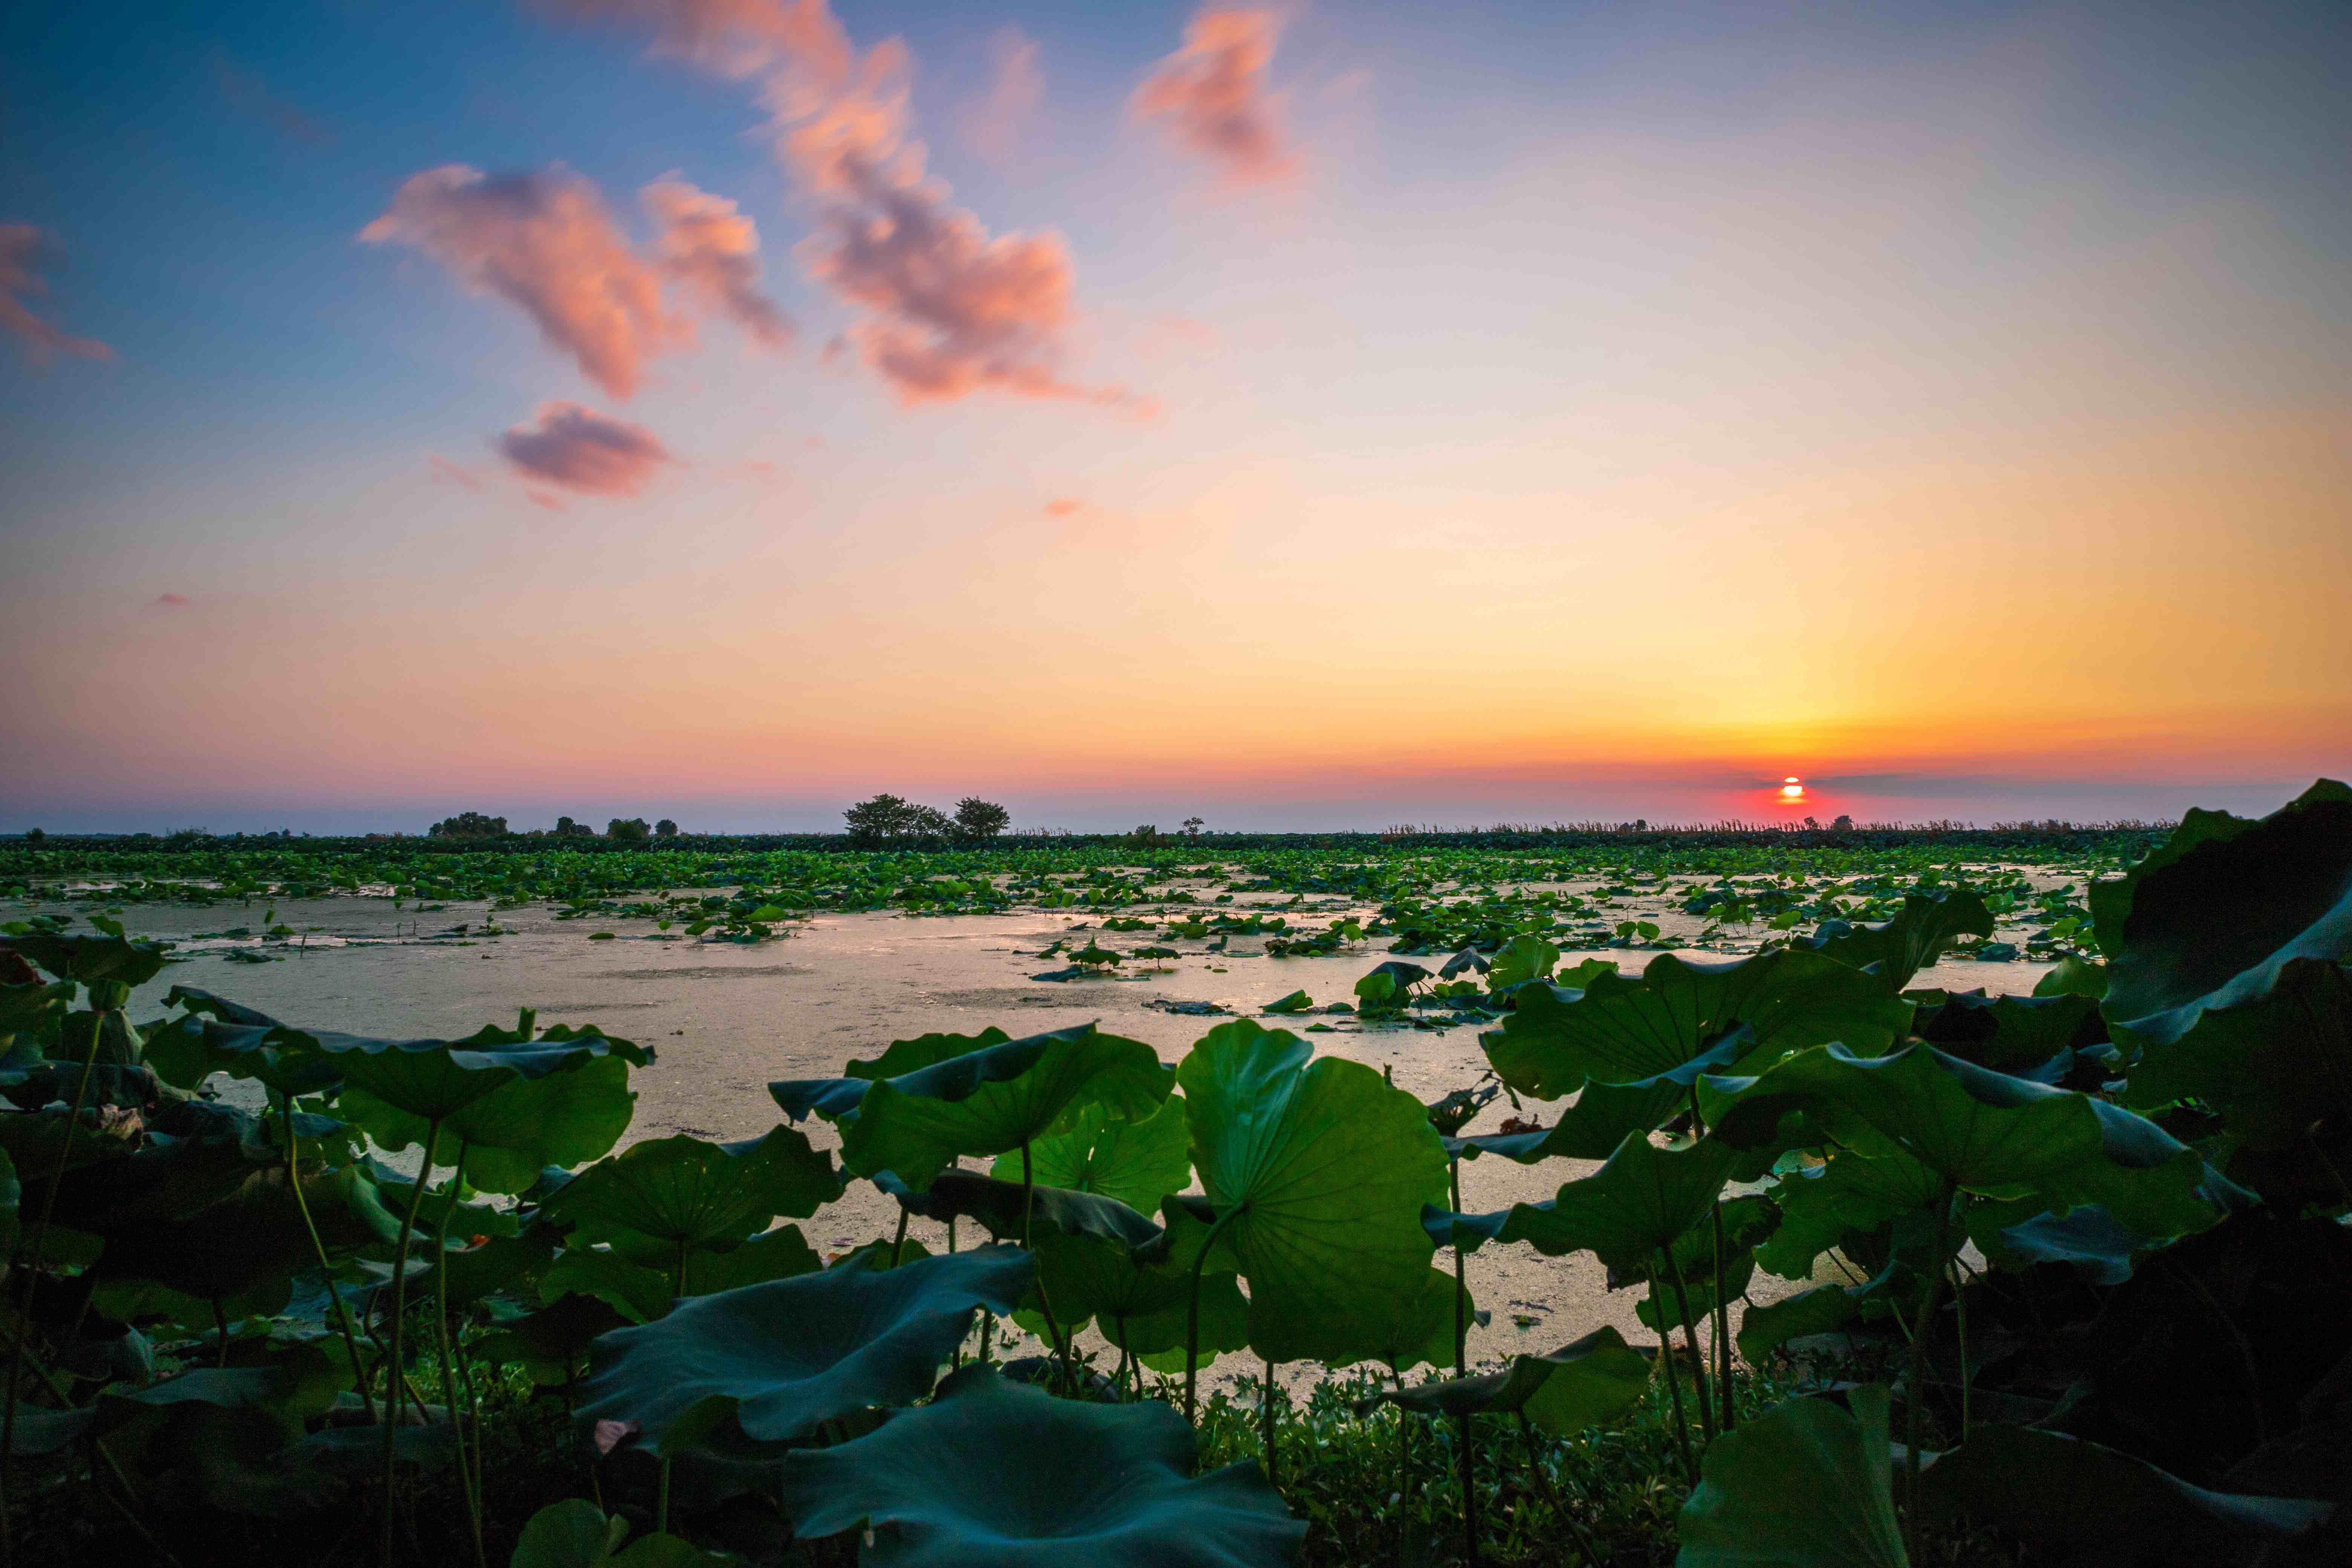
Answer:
(1792, 788)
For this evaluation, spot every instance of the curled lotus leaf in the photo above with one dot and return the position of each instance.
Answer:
(1898, 950)
(1805, 1485)
(1633, 1029)
(749, 1371)
(1583, 1384)
(113, 957)
(992, 1475)
(1138, 1163)
(688, 1192)
(996, 1205)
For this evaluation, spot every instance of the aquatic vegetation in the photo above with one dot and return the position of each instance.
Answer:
(269, 1270)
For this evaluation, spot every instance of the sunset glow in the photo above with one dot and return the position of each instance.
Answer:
(1324, 417)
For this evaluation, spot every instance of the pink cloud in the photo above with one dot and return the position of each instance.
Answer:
(1061, 506)
(173, 600)
(1212, 96)
(948, 309)
(543, 242)
(446, 472)
(1016, 86)
(21, 245)
(714, 250)
(583, 450)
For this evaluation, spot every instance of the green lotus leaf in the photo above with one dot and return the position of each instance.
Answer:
(551, 1342)
(765, 1365)
(1317, 1174)
(1820, 1310)
(502, 1140)
(904, 1057)
(2278, 1069)
(1630, 1030)
(1852, 1192)
(2074, 975)
(1296, 1002)
(1419, 1324)
(1805, 1484)
(1157, 1338)
(2211, 917)
(993, 1474)
(1987, 1132)
(1137, 1162)
(996, 1205)
(982, 1102)
(689, 1193)
(1643, 1199)
(1590, 1127)
(1746, 1220)
(2007, 1034)
(1523, 958)
(2072, 1495)
(124, 961)
(1588, 1384)
(2087, 1238)
(1912, 940)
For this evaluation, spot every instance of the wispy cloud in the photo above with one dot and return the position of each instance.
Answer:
(948, 309)
(172, 601)
(247, 92)
(446, 472)
(1061, 506)
(21, 245)
(581, 449)
(1213, 99)
(714, 250)
(996, 121)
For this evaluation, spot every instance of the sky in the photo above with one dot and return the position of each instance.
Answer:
(1327, 416)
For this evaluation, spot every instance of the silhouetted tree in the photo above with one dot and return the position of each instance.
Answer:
(469, 825)
(889, 820)
(976, 819)
(628, 830)
(664, 828)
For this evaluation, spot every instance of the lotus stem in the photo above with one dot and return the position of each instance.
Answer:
(1690, 1339)
(1266, 1424)
(394, 1379)
(448, 1353)
(1461, 1290)
(1193, 1321)
(898, 1241)
(220, 1333)
(1722, 1316)
(319, 1247)
(1673, 1383)
(1916, 1396)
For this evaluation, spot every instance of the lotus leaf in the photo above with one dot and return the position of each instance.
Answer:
(1820, 1310)
(575, 1533)
(1631, 1030)
(925, 1050)
(2007, 1034)
(1588, 1384)
(993, 1474)
(1316, 1174)
(765, 1365)
(1805, 1484)
(1137, 1162)
(2210, 919)
(1642, 1199)
(686, 1193)
(91, 959)
(997, 1205)
(1900, 948)
(1852, 1192)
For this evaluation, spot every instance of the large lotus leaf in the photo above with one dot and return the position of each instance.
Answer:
(1628, 1030)
(575, 1533)
(32, 1009)
(1912, 940)
(35, 1141)
(1317, 1174)
(2086, 1238)
(684, 1191)
(123, 960)
(1588, 1384)
(1156, 1335)
(767, 1364)
(2210, 917)
(1986, 1132)
(996, 1205)
(925, 1050)
(993, 1474)
(193, 1155)
(2007, 1034)
(1742, 1222)
(1805, 1485)
(1820, 1310)
(239, 1041)
(2278, 1068)
(942, 1068)
(919, 1124)
(1852, 1192)
(1138, 1163)
(638, 1291)
(566, 1117)
(1419, 1324)
(551, 1342)
(1642, 1199)
(2062, 1493)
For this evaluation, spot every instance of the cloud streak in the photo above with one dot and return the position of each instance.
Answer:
(21, 245)
(581, 449)
(714, 250)
(947, 309)
(1211, 97)
(1016, 86)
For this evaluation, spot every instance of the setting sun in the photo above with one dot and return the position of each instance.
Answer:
(1792, 788)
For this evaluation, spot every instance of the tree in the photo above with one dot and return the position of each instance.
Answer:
(628, 830)
(35, 836)
(889, 820)
(664, 828)
(469, 825)
(567, 828)
(977, 818)
(1192, 826)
